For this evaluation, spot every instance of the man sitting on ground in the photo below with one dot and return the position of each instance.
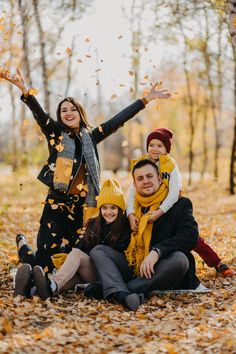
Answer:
(159, 254)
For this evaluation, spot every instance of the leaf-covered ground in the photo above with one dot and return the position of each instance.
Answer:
(203, 323)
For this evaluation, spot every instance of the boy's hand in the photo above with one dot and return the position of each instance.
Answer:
(154, 215)
(133, 221)
(147, 266)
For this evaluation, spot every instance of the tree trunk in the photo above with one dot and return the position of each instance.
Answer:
(42, 57)
(231, 11)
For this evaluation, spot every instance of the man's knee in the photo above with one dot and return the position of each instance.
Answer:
(181, 261)
(99, 249)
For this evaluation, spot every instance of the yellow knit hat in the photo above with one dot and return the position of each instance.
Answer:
(111, 193)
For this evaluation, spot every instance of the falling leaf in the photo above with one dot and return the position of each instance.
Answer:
(45, 269)
(88, 55)
(87, 40)
(52, 142)
(146, 77)
(54, 206)
(79, 61)
(59, 147)
(54, 245)
(68, 51)
(52, 135)
(100, 129)
(131, 89)
(121, 36)
(146, 49)
(48, 121)
(65, 241)
(121, 85)
(50, 201)
(71, 217)
(33, 91)
(97, 70)
(61, 137)
(83, 194)
(131, 73)
(113, 96)
(29, 252)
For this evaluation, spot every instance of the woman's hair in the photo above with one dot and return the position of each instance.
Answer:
(93, 234)
(83, 116)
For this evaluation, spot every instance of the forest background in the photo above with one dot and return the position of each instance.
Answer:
(107, 53)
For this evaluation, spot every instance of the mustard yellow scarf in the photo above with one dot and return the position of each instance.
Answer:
(139, 245)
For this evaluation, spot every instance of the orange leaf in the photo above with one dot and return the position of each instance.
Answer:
(114, 95)
(131, 73)
(68, 51)
(54, 245)
(33, 91)
(80, 61)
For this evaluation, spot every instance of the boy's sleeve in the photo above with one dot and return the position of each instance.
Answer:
(130, 200)
(175, 185)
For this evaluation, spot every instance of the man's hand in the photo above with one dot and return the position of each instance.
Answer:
(133, 221)
(154, 215)
(155, 93)
(16, 79)
(147, 266)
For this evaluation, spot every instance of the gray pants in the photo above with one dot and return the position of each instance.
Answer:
(116, 275)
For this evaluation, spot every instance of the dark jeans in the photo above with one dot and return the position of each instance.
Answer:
(116, 275)
(57, 232)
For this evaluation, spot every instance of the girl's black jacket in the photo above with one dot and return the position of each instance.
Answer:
(120, 244)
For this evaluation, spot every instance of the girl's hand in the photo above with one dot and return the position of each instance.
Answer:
(16, 79)
(155, 93)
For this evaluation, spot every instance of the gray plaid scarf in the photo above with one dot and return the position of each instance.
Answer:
(92, 164)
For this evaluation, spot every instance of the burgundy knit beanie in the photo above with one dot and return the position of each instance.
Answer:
(162, 134)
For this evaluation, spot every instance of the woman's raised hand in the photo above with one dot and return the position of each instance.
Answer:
(156, 92)
(16, 79)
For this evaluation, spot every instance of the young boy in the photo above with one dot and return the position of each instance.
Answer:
(158, 149)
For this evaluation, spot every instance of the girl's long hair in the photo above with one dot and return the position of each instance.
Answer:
(83, 116)
(93, 234)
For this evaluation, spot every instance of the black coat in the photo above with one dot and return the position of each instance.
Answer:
(53, 130)
(177, 230)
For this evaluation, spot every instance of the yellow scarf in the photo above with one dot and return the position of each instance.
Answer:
(139, 245)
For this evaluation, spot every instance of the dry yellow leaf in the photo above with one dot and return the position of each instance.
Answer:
(113, 96)
(33, 91)
(54, 245)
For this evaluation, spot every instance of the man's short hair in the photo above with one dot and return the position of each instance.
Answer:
(143, 163)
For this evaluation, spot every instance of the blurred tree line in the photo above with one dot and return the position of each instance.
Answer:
(202, 69)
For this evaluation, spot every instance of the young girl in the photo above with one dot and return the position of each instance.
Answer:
(110, 227)
(72, 171)
(158, 148)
